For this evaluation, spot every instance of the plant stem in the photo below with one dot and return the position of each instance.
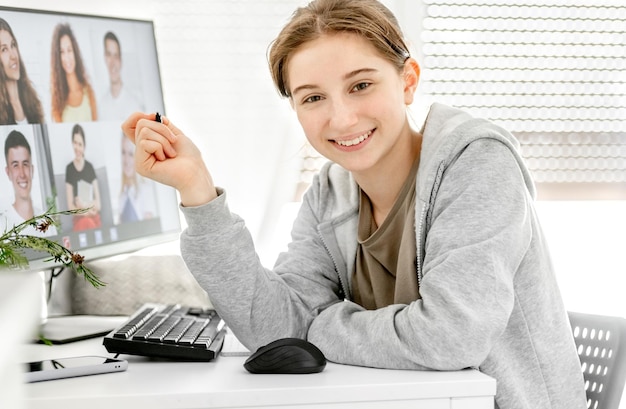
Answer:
(12, 242)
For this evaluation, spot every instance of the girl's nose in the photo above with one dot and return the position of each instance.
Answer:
(343, 114)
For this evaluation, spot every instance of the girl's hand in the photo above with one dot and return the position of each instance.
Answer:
(163, 153)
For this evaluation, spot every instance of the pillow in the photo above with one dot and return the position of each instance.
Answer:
(133, 281)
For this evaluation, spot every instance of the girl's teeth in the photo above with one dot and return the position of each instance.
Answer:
(355, 141)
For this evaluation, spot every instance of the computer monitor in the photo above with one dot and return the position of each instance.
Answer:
(67, 82)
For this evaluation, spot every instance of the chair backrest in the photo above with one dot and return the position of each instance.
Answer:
(601, 344)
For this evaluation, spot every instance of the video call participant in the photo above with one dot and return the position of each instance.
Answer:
(81, 184)
(19, 103)
(136, 201)
(20, 171)
(413, 249)
(73, 98)
(118, 102)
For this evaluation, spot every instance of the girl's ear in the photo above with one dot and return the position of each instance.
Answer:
(411, 79)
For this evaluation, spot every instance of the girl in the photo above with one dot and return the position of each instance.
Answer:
(136, 200)
(19, 103)
(73, 99)
(81, 185)
(412, 249)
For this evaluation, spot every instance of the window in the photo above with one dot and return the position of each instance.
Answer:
(551, 72)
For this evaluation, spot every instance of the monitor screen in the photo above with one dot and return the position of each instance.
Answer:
(67, 82)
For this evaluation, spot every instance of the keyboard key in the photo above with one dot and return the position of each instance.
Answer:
(137, 321)
(192, 333)
(149, 327)
(163, 329)
(207, 335)
(179, 329)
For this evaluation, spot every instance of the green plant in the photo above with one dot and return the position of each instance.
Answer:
(13, 243)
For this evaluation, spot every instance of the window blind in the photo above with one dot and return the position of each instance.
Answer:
(551, 72)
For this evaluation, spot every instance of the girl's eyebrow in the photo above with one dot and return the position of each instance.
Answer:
(359, 71)
(349, 75)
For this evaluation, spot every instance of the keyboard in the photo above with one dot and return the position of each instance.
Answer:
(169, 331)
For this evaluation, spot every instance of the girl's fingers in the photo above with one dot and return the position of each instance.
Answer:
(136, 121)
(129, 126)
(149, 149)
(157, 132)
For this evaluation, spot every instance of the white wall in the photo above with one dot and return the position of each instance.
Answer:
(218, 90)
(588, 245)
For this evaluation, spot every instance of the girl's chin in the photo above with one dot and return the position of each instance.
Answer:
(355, 166)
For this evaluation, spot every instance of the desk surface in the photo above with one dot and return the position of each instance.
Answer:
(224, 383)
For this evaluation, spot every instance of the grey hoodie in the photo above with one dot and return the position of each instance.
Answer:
(490, 299)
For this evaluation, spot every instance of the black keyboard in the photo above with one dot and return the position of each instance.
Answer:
(169, 331)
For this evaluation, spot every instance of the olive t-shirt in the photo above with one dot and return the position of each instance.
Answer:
(385, 271)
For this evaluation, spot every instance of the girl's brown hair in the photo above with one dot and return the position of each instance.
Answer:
(369, 19)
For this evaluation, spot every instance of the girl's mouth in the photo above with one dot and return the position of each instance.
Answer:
(355, 141)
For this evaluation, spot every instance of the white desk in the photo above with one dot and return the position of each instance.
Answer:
(224, 383)
(21, 297)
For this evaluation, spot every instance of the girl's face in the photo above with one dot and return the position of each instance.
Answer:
(128, 158)
(351, 102)
(79, 145)
(67, 54)
(9, 56)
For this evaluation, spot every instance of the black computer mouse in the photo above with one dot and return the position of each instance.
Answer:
(286, 356)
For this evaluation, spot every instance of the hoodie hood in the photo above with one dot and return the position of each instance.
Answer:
(446, 133)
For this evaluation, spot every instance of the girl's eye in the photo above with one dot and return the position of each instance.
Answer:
(361, 86)
(312, 98)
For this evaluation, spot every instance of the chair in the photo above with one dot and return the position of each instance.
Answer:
(601, 345)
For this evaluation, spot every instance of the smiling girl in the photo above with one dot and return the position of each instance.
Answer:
(19, 103)
(81, 185)
(73, 98)
(412, 249)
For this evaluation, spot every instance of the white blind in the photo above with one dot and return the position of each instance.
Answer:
(552, 72)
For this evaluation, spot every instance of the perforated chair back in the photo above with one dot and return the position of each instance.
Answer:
(601, 344)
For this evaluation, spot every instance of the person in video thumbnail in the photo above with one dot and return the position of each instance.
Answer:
(20, 170)
(19, 103)
(136, 201)
(73, 98)
(81, 185)
(118, 102)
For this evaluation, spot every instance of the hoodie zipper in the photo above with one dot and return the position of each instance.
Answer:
(419, 246)
(423, 215)
(330, 253)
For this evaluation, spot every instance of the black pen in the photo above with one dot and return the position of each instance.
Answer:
(158, 117)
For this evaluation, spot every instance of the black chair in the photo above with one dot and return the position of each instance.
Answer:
(601, 345)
